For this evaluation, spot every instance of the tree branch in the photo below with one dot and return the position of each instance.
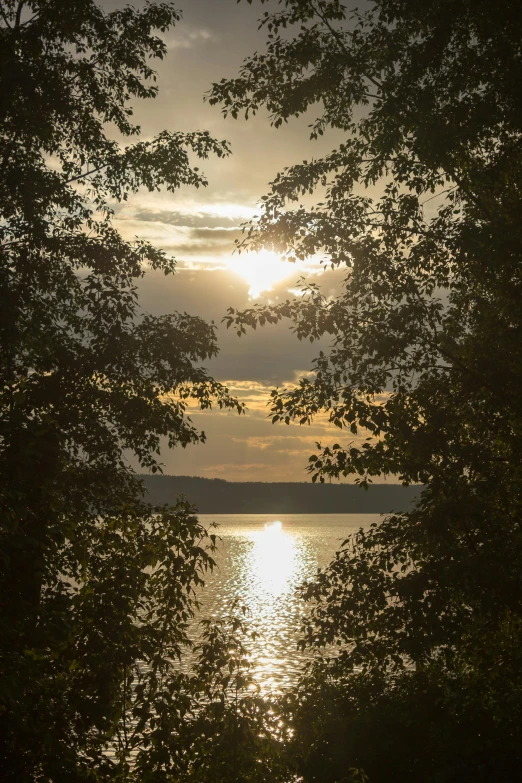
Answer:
(19, 13)
(87, 173)
(338, 37)
(3, 15)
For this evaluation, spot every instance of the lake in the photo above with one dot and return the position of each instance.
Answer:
(261, 561)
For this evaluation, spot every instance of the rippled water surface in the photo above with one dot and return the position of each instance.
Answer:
(261, 561)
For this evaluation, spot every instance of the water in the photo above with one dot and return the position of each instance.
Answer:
(261, 561)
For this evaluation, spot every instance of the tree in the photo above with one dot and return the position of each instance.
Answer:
(97, 587)
(230, 733)
(420, 201)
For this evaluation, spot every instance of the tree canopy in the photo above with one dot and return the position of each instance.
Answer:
(420, 202)
(97, 587)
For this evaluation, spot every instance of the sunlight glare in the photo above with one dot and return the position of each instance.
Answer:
(273, 560)
(273, 527)
(261, 270)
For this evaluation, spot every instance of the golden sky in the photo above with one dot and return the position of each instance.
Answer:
(199, 227)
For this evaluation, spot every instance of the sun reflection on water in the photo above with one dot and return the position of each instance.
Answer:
(273, 567)
(272, 562)
(261, 563)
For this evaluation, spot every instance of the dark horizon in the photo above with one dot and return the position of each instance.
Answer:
(219, 496)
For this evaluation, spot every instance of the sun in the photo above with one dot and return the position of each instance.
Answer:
(261, 269)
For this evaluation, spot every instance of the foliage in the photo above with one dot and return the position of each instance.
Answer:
(420, 201)
(428, 725)
(101, 657)
(96, 586)
(227, 732)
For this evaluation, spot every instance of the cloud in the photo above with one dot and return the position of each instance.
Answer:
(255, 443)
(200, 250)
(216, 233)
(187, 38)
(271, 356)
(237, 467)
(187, 219)
(198, 233)
(253, 471)
(294, 452)
(277, 442)
(249, 385)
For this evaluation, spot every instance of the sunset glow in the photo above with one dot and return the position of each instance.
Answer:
(262, 270)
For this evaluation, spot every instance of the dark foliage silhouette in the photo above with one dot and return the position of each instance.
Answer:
(420, 201)
(96, 586)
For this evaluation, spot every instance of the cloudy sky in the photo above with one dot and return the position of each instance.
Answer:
(199, 228)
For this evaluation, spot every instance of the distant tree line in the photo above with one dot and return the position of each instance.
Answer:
(216, 496)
